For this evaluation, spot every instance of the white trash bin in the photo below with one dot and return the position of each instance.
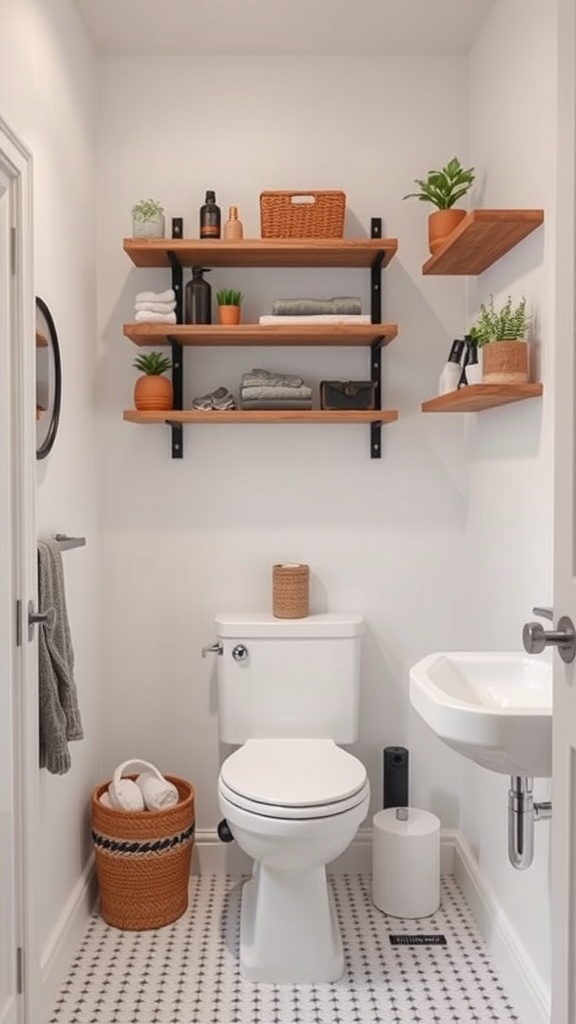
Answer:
(406, 862)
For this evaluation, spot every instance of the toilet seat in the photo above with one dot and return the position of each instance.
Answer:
(293, 778)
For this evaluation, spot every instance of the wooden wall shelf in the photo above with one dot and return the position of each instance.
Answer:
(481, 239)
(261, 252)
(262, 416)
(240, 335)
(477, 397)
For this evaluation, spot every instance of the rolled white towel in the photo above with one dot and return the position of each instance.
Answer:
(156, 790)
(166, 296)
(124, 794)
(105, 799)
(156, 318)
(156, 307)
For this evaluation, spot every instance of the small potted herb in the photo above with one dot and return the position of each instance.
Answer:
(443, 189)
(502, 334)
(152, 390)
(229, 302)
(148, 219)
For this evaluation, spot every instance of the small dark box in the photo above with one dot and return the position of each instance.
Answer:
(347, 394)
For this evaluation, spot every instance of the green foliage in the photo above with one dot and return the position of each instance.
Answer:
(229, 297)
(444, 188)
(152, 363)
(509, 323)
(147, 209)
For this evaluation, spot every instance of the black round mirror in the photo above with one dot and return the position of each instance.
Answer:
(48, 380)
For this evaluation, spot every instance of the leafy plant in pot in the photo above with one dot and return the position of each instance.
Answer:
(443, 189)
(152, 391)
(502, 334)
(229, 304)
(148, 219)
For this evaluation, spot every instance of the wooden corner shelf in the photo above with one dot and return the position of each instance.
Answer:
(477, 397)
(262, 416)
(244, 335)
(481, 239)
(262, 252)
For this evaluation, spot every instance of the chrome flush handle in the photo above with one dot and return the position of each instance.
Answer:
(215, 648)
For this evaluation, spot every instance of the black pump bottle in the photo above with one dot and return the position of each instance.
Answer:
(198, 298)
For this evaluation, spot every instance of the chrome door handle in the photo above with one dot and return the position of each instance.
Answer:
(47, 618)
(535, 638)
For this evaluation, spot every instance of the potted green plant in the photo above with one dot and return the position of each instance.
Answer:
(148, 219)
(443, 189)
(229, 303)
(152, 390)
(502, 334)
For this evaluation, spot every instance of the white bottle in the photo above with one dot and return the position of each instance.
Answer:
(450, 376)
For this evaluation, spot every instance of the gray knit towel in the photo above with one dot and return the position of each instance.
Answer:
(275, 391)
(275, 403)
(58, 702)
(309, 307)
(260, 378)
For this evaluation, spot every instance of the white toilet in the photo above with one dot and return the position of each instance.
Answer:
(288, 692)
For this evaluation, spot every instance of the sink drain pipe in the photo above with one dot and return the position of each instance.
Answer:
(522, 813)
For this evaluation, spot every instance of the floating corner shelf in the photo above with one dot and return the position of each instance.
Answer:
(478, 397)
(482, 238)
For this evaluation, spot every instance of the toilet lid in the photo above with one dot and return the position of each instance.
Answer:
(293, 772)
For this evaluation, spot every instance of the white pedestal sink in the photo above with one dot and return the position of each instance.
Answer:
(494, 708)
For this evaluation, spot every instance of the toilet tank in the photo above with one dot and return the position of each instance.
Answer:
(290, 678)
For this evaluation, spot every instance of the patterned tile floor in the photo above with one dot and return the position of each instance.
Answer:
(186, 973)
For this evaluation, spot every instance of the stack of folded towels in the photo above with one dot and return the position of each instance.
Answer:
(261, 389)
(338, 310)
(156, 307)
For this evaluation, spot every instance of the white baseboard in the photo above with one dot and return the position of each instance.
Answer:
(67, 935)
(520, 977)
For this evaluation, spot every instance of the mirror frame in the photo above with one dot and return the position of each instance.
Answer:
(54, 413)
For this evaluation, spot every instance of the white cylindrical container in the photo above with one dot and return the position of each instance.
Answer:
(406, 862)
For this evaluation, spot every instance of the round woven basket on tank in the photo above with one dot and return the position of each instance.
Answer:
(143, 860)
(290, 591)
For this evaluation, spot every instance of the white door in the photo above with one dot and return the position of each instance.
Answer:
(563, 873)
(19, 974)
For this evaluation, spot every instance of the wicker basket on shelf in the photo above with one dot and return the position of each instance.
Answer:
(302, 214)
(143, 860)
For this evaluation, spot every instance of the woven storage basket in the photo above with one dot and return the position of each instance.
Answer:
(302, 214)
(143, 860)
(290, 598)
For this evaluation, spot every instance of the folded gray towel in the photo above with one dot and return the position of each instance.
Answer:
(58, 703)
(340, 304)
(275, 403)
(257, 378)
(275, 392)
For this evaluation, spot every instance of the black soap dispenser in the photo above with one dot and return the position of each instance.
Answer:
(210, 217)
(452, 372)
(198, 298)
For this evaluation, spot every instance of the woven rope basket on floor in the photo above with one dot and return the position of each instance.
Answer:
(302, 214)
(143, 860)
(290, 591)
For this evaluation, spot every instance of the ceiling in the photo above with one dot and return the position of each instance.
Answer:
(275, 27)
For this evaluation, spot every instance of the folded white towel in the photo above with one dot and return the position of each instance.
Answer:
(156, 790)
(327, 318)
(166, 296)
(156, 307)
(145, 315)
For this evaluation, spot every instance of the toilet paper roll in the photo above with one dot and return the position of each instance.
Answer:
(406, 862)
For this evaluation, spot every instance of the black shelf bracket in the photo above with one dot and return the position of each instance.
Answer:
(176, 429)
(376, 347)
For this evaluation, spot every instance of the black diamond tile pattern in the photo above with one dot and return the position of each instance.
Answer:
(187, 972)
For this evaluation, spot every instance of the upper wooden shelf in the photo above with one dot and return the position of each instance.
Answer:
(244, 335)
(262, 252)
(477, 397)
(481, 239)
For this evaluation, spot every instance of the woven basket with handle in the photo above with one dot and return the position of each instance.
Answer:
(143, 860)
(302, 214)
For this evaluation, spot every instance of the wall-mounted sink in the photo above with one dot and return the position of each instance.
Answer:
(493, 708)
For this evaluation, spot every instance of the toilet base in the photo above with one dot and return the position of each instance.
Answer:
(288, 928)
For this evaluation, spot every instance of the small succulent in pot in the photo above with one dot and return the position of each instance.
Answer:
(152, 391)
(229, 302)
(148, 219)
(443, 189)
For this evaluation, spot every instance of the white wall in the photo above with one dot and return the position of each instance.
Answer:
(509, 452)
(48, 97)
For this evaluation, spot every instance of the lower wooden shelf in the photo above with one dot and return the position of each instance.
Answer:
(477, 397)
(262, 416)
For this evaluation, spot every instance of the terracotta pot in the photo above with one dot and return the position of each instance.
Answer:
(152, 392)
(441, 224)
(505, 362)
(228, 314)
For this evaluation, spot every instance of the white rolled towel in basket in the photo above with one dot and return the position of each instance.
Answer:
(150, 791)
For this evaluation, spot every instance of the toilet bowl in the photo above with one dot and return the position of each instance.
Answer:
(293, 805)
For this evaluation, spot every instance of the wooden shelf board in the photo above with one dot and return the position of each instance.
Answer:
(481, 239)
(259, 334)
(477, 397)
(263, 416)
(261, 252)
